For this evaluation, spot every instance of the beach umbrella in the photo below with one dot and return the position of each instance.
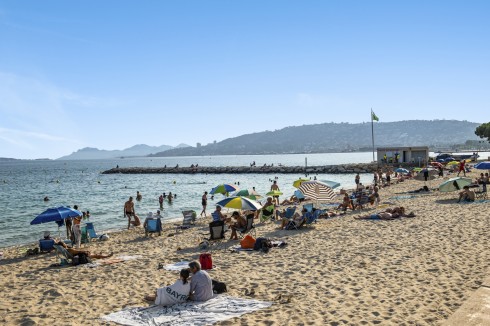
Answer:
(432, 175)
(274, 193)
(402, 170)
(238, 202)
(454, 184)
(249, 193)
(453, 163)
(223, 189)
(55, 215)
(316, 190)
(483, 165)
(298, 182)
(331, 184)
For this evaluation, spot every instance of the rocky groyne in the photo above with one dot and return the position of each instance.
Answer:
(331, 169)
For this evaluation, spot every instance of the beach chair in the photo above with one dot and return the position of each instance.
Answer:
(250, 228)
(46, 245)
(311, 218)
(308, 207)
(216, 233)
(296, 225)
(63, 254)
(85, 238)
(298, 194)
(91, 231)
(189, 218)
(290, 212)
(153, 225)
(481, 193)
(267, 213)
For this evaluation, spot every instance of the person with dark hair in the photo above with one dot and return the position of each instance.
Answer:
(466, 195)
(204, 203)
(129, 212)
(175, 293)
(201, 284)
(240, 224)
(75, 252)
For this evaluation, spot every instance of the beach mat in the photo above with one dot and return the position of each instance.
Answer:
(219, 308)
(109, 261)
(177, 267)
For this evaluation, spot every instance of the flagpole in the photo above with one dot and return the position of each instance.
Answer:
(372, 130)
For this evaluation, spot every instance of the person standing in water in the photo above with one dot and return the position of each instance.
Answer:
(204, 203)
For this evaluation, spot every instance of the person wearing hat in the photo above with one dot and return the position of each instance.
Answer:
(47, 235)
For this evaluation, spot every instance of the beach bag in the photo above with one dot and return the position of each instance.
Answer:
(248, 242)
(206, 261)
(219, 287)
(263, 244)
(83, 258)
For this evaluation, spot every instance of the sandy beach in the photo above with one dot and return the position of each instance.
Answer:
(338, 271)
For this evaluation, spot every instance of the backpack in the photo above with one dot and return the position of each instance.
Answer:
(219, 287)
(83, 258)
(206, 261)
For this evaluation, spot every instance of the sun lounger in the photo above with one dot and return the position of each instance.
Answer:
(63, 254)
(153, 225)
(189, 219)
(91, 231)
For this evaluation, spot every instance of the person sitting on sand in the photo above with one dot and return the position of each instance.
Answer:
(129, 212)
(466, 195)
(298, 219)
(346, 203)
(80, 251)
(201, 284)
(175, 293)
(240, 224)
(218, 216)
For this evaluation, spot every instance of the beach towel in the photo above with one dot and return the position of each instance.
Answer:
(219, 308)
(177, 267)
(109, 261)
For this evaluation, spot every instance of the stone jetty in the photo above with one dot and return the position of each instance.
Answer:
(331, 169)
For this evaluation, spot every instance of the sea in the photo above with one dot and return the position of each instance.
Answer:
(24, 184)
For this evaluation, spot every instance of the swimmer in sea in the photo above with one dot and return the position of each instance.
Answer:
(46, 198)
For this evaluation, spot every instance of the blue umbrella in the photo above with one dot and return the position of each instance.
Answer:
(55, 215)
(483, 165)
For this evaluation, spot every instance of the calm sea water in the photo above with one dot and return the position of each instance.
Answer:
(24, 184)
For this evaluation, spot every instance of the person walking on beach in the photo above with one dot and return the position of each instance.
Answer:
(129, 212)
(77, 231)
(357, 180)
(204, 203)
(275, 187)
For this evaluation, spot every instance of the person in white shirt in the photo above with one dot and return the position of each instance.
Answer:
(173, 294)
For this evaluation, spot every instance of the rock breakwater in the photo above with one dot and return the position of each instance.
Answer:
(331, 169)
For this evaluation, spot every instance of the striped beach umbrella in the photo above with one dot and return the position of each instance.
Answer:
(238, 202)
(316, 190)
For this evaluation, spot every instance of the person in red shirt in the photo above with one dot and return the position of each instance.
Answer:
(462, 168)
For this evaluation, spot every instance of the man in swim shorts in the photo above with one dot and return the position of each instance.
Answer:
(129, 212)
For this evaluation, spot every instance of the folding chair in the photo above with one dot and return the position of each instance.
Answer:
(482, 192)
(46, 245)
(84, 234)
(312, 217)
(216, 232)
(267, 213)
(91, 231)
(153, 225)
(63, 254)
(189, 218)
(308, 207)
(250, 228)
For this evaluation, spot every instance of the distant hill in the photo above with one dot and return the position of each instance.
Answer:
(338, 137)
(89, 153)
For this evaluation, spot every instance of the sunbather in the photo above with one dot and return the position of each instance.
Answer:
(175, 293)
(346, 203)
(240, 224)
(467, 195)
(80, 251)
(298, 219)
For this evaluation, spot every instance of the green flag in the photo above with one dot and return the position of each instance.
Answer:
(374, 116)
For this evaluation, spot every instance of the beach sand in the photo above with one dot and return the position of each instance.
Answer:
(335, 272)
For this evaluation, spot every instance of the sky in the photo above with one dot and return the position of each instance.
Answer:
(112, 74)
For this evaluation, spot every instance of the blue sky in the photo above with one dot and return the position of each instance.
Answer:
(112, 74)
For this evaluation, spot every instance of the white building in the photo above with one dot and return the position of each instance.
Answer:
(418, 155)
